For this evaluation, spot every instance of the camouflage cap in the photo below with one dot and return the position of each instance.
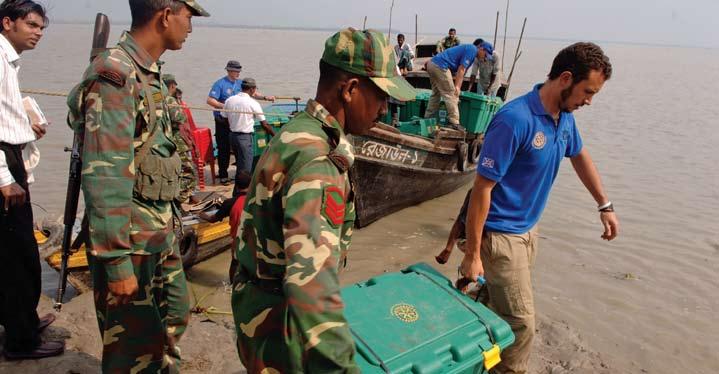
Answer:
(368, 54)
(197, 10)
(169, 78)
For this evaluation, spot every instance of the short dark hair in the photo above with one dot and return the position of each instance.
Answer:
(15, 9)
(330, 74)
(402, 35)
(478, 41)
(452, 29)
(579, 59)
(142, 11)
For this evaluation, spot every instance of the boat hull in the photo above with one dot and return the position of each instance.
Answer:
(395, 171)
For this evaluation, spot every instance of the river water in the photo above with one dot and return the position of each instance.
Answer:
(647, 301)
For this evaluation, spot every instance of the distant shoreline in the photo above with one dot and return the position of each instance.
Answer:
(331, 29)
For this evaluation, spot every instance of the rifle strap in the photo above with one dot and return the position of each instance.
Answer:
(144, 80)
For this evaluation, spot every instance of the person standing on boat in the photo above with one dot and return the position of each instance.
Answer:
(182, 136)
(524, 146)
(222, 90)
(243, 110)
(404, 54)
(487, 67)
(449, 41)
(130, 180)
(299, 214)
(21, 28)
(446, 74)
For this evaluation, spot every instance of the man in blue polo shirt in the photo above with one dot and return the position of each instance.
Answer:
(446, 73)
(524, 145)
(223, 89)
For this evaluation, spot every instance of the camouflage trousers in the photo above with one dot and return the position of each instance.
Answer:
(268, 342)
(141, 337)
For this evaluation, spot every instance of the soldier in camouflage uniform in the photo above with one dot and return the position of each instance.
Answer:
(449, 41)
(299, 213)
(182, 138)
(130, 178)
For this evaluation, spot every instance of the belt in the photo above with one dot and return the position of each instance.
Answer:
(268, 285)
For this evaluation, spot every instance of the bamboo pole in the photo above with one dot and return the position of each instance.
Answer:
(496, 26)
(504, 43)
(416, 28)
(517, 54)
(389, 31)
(364, 24)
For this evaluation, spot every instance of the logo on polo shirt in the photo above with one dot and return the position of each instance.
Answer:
(488, 163)
(539, 140)
(229, 91)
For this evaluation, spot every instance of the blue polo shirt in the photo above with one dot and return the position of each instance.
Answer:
(223, 89)
(522, 151)
(453, 58)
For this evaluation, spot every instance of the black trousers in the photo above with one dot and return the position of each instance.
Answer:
(222, 138)
(19, 264)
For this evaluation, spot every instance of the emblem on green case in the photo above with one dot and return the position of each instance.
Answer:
(405, 313)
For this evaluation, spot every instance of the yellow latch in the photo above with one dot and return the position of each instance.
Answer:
(491, 357)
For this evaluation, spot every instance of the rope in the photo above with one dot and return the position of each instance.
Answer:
(206, 109)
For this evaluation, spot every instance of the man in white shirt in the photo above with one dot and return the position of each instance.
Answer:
(243, 110)
(22, 25)
(486, 71)
(404, 54)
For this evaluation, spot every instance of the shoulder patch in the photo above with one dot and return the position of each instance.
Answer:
(340, 161)
(333, 205)
(112, 77)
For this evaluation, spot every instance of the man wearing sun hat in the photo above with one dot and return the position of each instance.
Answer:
(486, 70)
(299, 214)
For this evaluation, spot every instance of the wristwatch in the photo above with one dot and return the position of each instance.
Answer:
(606, 208)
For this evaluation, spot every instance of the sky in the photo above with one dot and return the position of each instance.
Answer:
(664, 22)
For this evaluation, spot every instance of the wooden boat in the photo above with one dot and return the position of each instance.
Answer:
(201, 240)
(205, 241)
(395, 170)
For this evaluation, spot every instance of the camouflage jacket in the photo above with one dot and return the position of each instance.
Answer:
(447, 43)
(110, 109)
(296, 228)
(185, 144)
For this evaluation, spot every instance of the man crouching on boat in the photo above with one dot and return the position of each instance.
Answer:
(299, 214)
(524, 146)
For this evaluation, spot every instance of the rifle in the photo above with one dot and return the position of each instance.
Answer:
(99, 43)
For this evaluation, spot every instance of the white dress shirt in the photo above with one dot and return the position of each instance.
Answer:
(14, 124)
(243, 122)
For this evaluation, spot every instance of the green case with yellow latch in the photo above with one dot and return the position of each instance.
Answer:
(415, 321)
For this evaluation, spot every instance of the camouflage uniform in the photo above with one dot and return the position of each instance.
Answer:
(296, 230)
(188, 174)
(446, 43)
(129, 234)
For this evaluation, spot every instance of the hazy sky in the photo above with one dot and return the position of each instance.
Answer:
(687, 22)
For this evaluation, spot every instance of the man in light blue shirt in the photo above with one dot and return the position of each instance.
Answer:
(221, 90)
(446, 73)
(524, 146)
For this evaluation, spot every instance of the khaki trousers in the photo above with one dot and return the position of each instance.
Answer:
(442, 87)
(508, 260)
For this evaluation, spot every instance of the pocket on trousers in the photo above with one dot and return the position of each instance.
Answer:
(511, 298)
